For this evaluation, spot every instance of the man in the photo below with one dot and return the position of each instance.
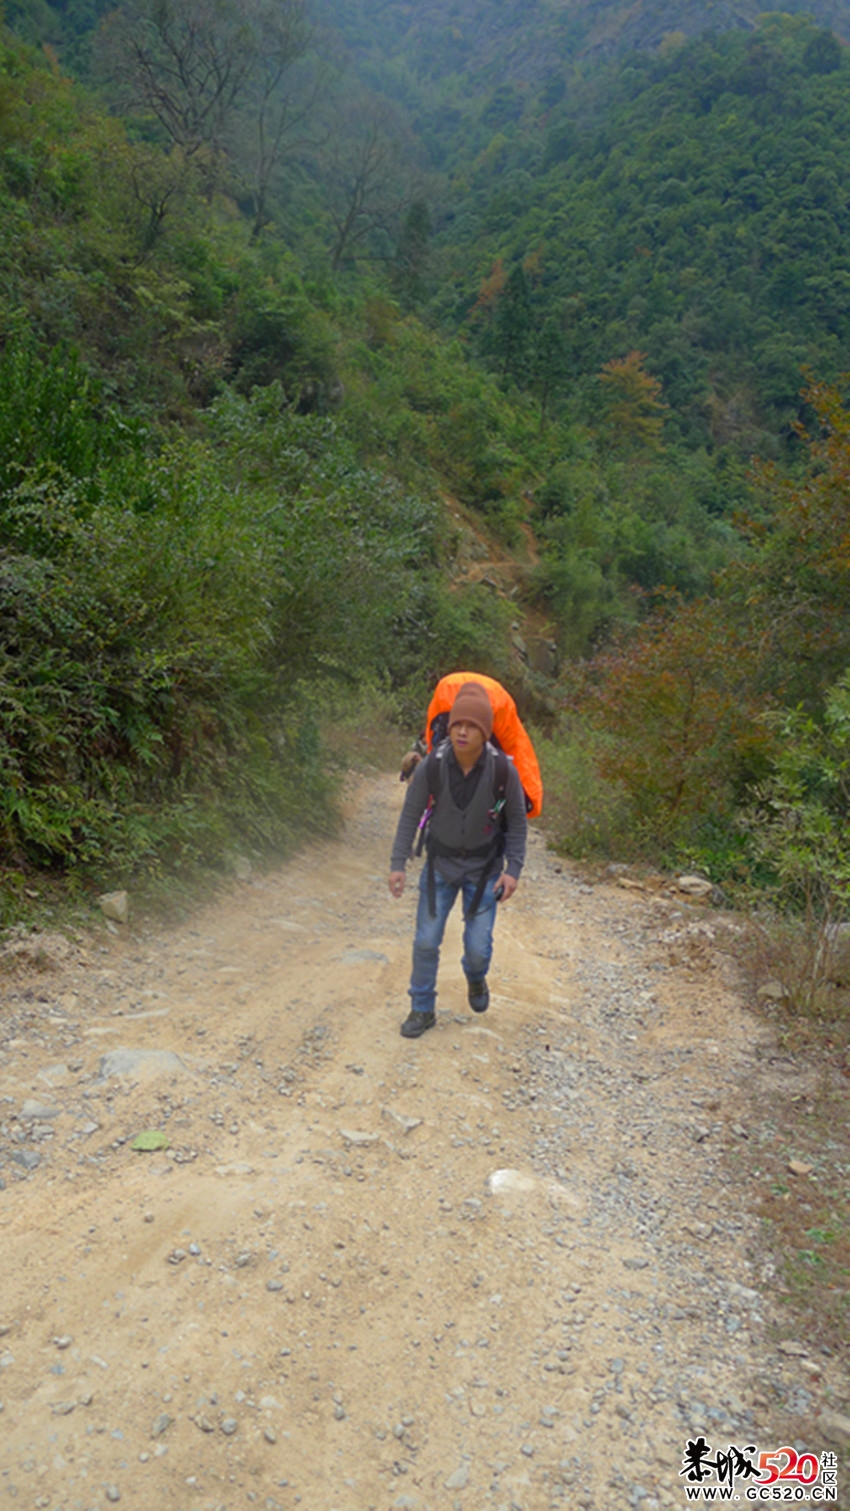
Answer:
(472, 849)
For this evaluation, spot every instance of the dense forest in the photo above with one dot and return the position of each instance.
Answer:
(284, 287)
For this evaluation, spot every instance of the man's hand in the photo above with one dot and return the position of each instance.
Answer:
(506, 887)
(397, 883)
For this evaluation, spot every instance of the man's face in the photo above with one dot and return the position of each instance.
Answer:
(467, 742)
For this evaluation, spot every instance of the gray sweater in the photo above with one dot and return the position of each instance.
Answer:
(462, 787)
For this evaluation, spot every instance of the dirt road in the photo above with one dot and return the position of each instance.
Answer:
(508, 1265)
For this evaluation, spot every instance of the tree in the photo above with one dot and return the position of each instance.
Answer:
(215, 76)
(795, 586)
(549, 365)
(823, 53)
(411, 257)
(512, 325)
(185, 62)
(279, 110)
(635, 413)
(367, 174)
(677, 704)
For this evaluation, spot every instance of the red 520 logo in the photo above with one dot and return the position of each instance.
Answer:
(802, 1468)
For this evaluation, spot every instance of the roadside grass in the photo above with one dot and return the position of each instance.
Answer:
(806, 1218)
(363, 728)
(353, 730)
(805, 1210)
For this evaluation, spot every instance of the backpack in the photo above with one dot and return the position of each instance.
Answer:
(508, 735)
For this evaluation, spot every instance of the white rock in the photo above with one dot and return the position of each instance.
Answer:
(406, 1124)
(359, 1139)
(510, 1181)
(694, 886)
(115, 905)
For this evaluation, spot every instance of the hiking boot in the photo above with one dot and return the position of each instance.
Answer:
(478, 995)
(416, 1024)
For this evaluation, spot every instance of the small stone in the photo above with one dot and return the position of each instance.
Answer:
(229, 1425)
(148, 1217)
(204, 1424)
(696, 1229)
(799, 1167)
(459, 1479)
(177, 1256)
(270, 1435)
(773, 991)
(339, 1413)
(64, 1341)
(528, 1450)
(694, 886)
(86, 1398)
(63, 1408)
(112, 1493)
(834, 1426)
(512, 1182)
(140, 1063)
(635, 1264)
(32, 1109)
(115, 905)
(161, 1424)
(792, 1349)
(26, 1158)
(359, 1139)
(274, 1285)
(406, 1124)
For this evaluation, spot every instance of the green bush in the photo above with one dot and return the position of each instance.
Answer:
(586, 814)
(153, 658)
(798, 825)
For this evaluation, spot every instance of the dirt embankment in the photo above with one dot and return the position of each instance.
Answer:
(512, 1264)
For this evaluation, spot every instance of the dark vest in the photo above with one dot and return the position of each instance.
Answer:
(464, 832)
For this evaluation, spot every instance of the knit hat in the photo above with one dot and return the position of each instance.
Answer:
(473, 705)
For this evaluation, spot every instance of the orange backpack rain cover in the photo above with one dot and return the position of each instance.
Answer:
(507, 727)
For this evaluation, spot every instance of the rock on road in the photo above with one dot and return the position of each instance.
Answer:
(501, 1266)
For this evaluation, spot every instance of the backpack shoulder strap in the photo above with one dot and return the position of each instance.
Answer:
(500, 775)
(435, 768)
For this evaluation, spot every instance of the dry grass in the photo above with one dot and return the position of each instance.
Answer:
(806, 1217)
(804, 958)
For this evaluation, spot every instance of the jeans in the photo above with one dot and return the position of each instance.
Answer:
(477, 935)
